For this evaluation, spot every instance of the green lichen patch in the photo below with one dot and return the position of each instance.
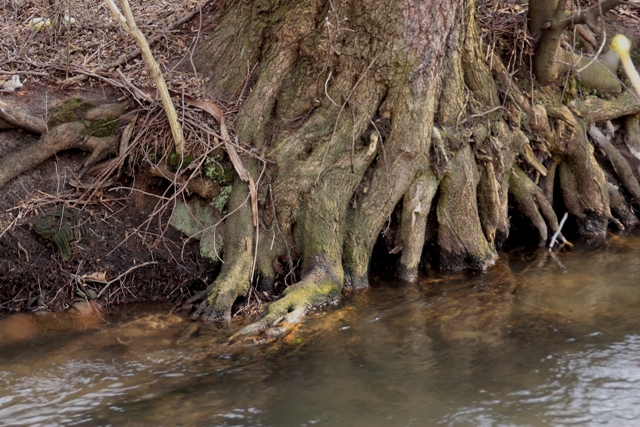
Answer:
(71, 110)
(221, 201)
(197, 219)
(214, 170)
(102, 128)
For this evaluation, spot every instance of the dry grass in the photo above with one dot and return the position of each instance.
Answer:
(503, 27)
(95, 42)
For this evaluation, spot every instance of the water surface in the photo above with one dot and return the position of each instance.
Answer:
(534, 342)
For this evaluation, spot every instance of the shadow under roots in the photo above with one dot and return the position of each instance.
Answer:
(383, 263)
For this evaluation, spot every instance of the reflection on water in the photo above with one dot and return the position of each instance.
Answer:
(531, 343)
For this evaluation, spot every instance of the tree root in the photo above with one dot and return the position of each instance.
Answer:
(234, 280)
(594, 109)
(620, 209)
(619, 163)
(632, 134)
(61, 137)
(321, 285)
(21, 118)
(532, 202)
(582, 181)
(415, 208)
(64, 136)
(460, 237)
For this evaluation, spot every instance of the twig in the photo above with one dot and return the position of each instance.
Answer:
(135, 267)
(557, 233)
(136, 91)
(25, 73)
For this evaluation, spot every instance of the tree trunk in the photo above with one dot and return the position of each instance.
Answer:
(342, 97)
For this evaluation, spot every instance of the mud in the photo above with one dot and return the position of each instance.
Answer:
(111, 237)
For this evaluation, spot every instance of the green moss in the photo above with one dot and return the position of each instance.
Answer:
(71, 110)
(102, 128)
(179, 162)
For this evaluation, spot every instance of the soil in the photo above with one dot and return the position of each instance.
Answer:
(111, 236)
(110, 241)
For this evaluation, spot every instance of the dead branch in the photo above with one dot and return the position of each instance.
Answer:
(128, 23)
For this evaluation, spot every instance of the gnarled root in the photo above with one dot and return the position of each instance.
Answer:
(61, 137)
(73, 134)
(619, 163)
(620, 209)
(415, 208)
(583, 184)
(592, 224)
(321, 284)
(532, 202)
(460, 237)
(234, 279)
(20, 118)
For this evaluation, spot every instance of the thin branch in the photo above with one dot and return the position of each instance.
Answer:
(128, 23)
(587, 16)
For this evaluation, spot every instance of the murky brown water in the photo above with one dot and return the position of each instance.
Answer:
(530, 344)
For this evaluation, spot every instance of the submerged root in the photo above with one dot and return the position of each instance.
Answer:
(321, 285)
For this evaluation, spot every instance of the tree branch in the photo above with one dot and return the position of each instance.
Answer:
(587, 16)
(128, 23)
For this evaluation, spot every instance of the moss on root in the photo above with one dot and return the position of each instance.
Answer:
(102, 128)
(70, 110)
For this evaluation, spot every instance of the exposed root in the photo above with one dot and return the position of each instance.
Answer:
(415, 208)
(632, 134)
(319, 286)
(619, 163)
(532, 202)
(460, 237)
(582, 180)
(234, 279)
(62, 137)
(620, 209)
(204, 188)
(94, 132)
(21, 118)
(594, 109)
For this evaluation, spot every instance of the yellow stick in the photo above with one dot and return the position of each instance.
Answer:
(129, 25)
(621, 45)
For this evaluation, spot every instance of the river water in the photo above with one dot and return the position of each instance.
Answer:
(536, 341)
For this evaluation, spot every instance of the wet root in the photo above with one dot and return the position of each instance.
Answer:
(319, 286)
(532, 202)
